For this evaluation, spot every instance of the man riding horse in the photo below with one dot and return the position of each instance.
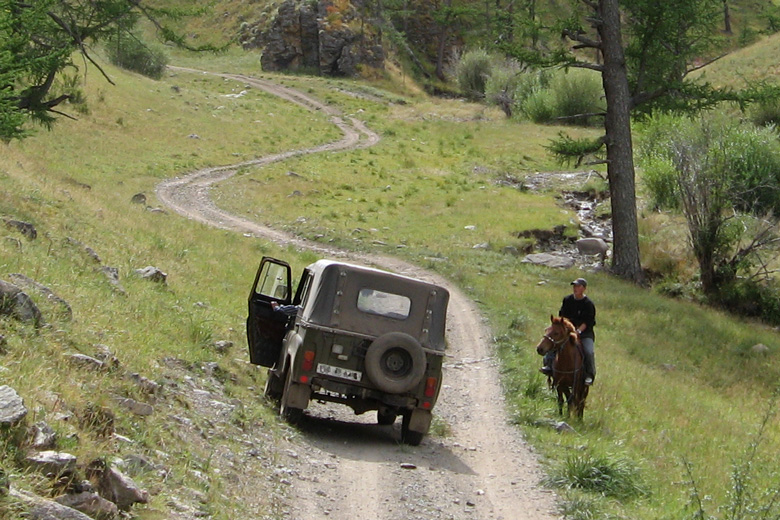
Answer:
(580, 310)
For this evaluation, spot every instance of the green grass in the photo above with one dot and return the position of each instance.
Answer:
(677, 382)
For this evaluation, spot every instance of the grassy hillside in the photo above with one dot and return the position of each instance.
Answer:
(677, 382)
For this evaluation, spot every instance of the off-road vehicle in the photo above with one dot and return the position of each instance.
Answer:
(359, 336)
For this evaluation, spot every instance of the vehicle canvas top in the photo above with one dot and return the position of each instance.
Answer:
(386, 303)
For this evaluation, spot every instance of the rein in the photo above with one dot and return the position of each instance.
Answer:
(557, 345)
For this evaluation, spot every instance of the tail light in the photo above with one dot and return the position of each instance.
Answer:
(308, 361)
(430, 387)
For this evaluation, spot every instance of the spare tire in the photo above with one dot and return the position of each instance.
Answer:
(395, 362)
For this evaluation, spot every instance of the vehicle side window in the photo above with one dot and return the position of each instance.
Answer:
(384, 304)
(273, 281)
(304, 290)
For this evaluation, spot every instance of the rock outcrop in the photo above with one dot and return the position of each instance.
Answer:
(320, 37)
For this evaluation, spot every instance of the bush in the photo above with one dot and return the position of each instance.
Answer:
(747, 156)
(539, 106)
(746, 297)
(472, 72)
(577, 92)
(766, 114)
(130, 53)
(561, 97)
(502, 86)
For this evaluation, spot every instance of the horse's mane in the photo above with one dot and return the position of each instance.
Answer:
(568, 325)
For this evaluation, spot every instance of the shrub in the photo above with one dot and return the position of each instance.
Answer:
(539, 106)
(617, 478)
(748, 157)
(502, 85)
(472, 72)
(129, 52)
(766, 114)
(577, 92)
(560, 97)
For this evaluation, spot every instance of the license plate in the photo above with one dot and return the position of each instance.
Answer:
(343, 373)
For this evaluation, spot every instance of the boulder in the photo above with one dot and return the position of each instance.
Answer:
(116, 487)
(593, 246)
(138, 198)
(12, 409)
(153, 274)
(42, 509)
(23, 281)
(15, 302)
(43, 436)
(546, 259)
(89, 503)
(52, 462)
(25, 228)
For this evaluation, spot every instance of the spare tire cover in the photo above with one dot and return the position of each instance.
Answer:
(395, 362)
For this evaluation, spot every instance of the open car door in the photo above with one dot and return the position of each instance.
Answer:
(266, 328)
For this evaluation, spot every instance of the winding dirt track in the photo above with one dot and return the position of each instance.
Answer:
(346, 466)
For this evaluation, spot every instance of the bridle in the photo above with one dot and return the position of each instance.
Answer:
(556, 344)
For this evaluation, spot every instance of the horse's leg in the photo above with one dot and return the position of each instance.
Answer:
(560, 400)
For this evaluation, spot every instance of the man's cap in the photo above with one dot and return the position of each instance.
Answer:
(580, 281)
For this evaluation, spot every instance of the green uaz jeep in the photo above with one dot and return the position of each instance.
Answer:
(363, 337)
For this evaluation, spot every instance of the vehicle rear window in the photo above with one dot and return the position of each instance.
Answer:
(384, 304)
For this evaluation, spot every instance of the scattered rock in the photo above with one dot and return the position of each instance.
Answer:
(25, 228)
(137, 464)
(114, 486)
(146, 385)
(134, 406)
(88, 250)
(593, 246)
(153, 274)
(138, 198)
(85, 361)
(22, 280)
(563, 427)
(12, 409)
(759, 348)
(54, 463)
(408, 465)
(89, 503)
(223, 346)
(42, 509)
(112, 273)
(104, 354)
(15, 302)
(43, 436)
(563, 262)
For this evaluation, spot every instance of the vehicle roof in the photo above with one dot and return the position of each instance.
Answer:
(333, 298)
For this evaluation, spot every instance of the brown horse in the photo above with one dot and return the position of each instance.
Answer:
(568, 377)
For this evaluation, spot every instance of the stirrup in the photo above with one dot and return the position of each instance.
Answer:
(546, 370)
(588, 381)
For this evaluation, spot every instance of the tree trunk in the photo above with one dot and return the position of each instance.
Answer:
(620, 160)
(726, 17)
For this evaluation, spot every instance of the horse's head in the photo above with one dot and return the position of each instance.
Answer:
(555, 336)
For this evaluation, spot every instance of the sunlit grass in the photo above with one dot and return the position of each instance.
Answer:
(676, 381)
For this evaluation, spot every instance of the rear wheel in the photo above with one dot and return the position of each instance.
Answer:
(386, 418)
(410, 437)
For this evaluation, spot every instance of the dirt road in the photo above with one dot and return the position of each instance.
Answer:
(344, 466)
